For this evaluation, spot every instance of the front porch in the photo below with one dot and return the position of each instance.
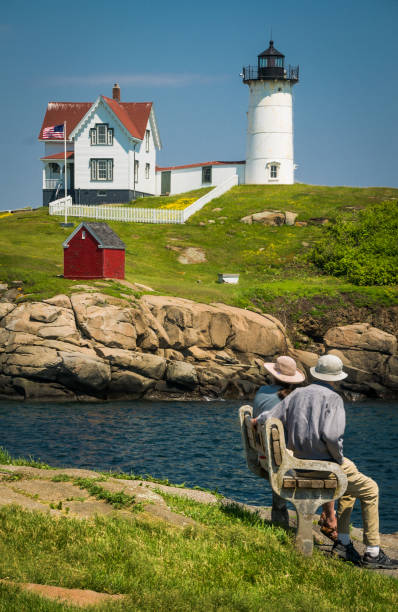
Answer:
(54, 176)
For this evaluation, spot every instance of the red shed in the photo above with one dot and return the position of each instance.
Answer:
(93, 250)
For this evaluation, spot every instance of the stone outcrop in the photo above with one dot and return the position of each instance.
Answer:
(369, 355)
(95, 346)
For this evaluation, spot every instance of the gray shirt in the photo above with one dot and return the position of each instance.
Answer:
(314, 422)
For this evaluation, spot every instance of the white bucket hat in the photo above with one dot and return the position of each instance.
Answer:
(329, 367)
(285, 369)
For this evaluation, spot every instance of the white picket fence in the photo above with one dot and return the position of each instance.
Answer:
(138, 215)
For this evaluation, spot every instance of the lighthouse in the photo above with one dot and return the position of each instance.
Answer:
(269, 149)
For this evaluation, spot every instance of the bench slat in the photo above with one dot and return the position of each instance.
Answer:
(276, 449)
(309, 483)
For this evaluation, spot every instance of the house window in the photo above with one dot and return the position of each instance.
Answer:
(147, 137)
(101, 169)
(206, 175)
(83, 235)
(101, 134)
(136, 166)
(274, 171)
(147, 169)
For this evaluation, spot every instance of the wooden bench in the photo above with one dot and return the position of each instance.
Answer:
(307, 484)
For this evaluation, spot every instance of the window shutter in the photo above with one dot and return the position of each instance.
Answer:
(93, 164)
(110, 170)
(93, 136)
(110, 136)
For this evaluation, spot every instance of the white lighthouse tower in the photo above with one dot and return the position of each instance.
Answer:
(269, 151)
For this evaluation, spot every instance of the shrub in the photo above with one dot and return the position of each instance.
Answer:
(364, 250)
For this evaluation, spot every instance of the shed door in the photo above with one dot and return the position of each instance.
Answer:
(166, 182)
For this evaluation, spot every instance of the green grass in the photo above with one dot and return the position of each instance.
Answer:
(7, 459)
(272, 259)
(230, 560)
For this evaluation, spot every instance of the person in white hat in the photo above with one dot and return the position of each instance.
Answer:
(314, 418)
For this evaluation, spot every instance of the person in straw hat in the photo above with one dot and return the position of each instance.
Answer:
(284, 379)
(314, 419)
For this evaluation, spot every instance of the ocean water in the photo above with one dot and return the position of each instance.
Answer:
(193, 442)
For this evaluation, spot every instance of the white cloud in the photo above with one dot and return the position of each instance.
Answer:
(154, 80)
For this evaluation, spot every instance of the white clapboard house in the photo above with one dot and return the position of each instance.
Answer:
(111, 150)
(111, 145)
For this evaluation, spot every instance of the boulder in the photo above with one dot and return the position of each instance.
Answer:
(30, 362)
(150, 366)
(32, 390)
(129, 384)
(192, 255)
(269, 217)
(42, 320)
(290, 217)
(5, 308)
(103, 321)
(44, 313)
(361, 336)
(83, 372)
(62, 301)
(182, 374)
(369, 356)
(248, 220)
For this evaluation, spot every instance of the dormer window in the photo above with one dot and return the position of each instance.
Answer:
(101, 134)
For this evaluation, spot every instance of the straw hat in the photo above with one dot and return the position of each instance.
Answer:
(329, 367)
(285, 369)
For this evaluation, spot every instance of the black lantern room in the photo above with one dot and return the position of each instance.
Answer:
(270, 65)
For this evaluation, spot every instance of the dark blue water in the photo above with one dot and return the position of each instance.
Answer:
(194, 442)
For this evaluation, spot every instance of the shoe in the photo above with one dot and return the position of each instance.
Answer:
(379, 562)
(347, 553)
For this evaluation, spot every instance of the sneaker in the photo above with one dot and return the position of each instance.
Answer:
(379, 562)
(347, 553)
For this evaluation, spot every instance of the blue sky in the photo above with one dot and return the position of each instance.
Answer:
(186, 58)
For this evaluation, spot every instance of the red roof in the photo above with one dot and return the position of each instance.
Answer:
(133, 115)
(69, 155)
(209, 163)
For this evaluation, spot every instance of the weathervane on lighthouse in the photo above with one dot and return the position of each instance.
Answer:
(269, 150)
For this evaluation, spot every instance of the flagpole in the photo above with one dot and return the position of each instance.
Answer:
(65, 174)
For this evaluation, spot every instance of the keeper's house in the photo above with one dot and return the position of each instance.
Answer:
(111, 150)
(111, 154)
(93, 250)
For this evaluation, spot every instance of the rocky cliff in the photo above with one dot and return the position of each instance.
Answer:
(94, 346)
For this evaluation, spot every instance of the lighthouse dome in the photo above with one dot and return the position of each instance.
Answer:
(271, 63)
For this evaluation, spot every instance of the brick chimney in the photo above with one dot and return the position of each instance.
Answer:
(116, 92)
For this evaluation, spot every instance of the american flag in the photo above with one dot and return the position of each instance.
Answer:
(55, 131)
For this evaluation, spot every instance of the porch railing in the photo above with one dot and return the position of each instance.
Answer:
(53, 183)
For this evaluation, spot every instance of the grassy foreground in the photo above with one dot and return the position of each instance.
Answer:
(230, 560)
(272, 261)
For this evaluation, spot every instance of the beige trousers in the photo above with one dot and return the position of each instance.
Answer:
(366, 490)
